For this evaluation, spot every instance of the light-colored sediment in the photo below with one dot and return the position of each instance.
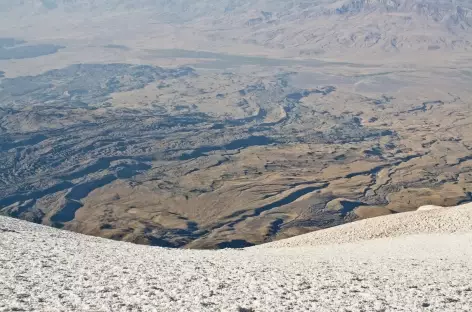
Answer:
(421, 262)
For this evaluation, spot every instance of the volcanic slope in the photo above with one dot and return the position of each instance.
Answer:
(420, 262)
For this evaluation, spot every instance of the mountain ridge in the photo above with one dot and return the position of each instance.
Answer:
(323, 26)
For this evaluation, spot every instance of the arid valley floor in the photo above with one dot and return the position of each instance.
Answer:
(193, 130)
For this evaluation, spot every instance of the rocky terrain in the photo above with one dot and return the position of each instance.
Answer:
(419, 263)
(231, 123)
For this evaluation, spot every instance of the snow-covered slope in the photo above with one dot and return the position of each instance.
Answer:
(426, 267)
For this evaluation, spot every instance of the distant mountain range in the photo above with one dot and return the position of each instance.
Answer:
(310, 27)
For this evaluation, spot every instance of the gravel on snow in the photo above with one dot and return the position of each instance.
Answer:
(421, 262)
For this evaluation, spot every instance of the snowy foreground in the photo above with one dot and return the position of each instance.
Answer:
(420, 261)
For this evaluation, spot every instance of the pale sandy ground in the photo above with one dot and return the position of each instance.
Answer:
(425, 266)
